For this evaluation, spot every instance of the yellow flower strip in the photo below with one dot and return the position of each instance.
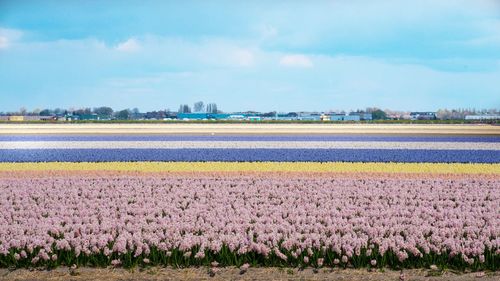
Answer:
(335, 167)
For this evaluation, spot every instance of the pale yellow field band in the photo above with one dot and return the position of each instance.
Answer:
(334, 167)
(189, 128)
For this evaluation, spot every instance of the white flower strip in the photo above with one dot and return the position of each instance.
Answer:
(248, 145)
(257, 128)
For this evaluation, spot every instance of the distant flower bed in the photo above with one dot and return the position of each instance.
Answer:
(251, 155)
(253, 137)
(251, 148)
(358, 221)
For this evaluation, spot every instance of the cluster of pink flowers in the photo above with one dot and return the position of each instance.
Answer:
(278, 215)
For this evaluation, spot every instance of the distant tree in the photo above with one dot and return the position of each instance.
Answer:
(212, 108)
(46, 112)
(103, 110)
(184, 108)
(378, 115)
(269, 114)
(395, 114)
(443, 114)
(371, 109)
(199, 106)
(82, 111)
(23, 110)
(157, 115)
(123, 114)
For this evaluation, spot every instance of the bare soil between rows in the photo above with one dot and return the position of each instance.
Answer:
(231, 273)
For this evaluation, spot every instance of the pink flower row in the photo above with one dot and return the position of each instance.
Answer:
(408, 216)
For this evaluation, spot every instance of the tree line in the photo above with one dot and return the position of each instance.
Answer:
(201, 107)
(123, 114)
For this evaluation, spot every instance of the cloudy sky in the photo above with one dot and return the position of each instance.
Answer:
(250, 55)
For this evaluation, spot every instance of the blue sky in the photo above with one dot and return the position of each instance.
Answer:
(250, 55)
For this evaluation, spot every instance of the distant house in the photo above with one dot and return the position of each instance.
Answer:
(363, 116)
(21, 118)
(483, 117)
(90, 117)
(85, 117)
(16, 118)
(70, 117)
(426, 115)
(235, 117)
(286, 116)
(47, 118)
(325, 117)
(254, 118)
(203, 116)
(310, 117)
(344, 117)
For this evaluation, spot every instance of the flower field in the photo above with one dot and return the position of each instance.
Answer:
(293, 200)
(252, 148)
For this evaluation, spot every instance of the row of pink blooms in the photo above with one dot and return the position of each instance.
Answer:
(407, 216)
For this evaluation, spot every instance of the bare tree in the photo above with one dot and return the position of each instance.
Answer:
(212, 108)
(199, 106)
(184, 108)
(23, 110)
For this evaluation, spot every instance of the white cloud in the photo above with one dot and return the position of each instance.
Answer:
(296, 61)
(222, 53)
(4, 42)
(131, 45)
(243, 57)
(8, 36)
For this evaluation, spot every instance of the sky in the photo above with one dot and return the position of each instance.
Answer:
(250, 55)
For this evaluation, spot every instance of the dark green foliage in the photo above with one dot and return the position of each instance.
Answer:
(226, 257)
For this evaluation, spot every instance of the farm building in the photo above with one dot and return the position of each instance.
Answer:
(309, 117)
(344, 117)
(16, 118)
(202, 116)
(482, 117)
(364, 116)
(235, 117)
(254, 118)
(21, 118)
(423, 116)
(85, 117)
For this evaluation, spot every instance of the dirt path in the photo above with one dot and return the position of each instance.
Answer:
(156, 273)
